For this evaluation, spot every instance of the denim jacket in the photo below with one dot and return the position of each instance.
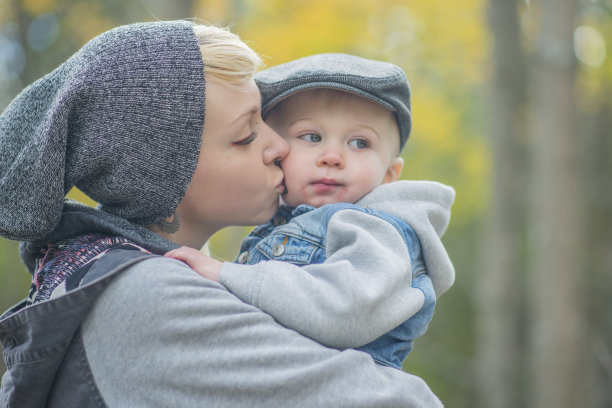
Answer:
(299, 235)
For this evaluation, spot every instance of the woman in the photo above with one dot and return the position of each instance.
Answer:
(110, 322)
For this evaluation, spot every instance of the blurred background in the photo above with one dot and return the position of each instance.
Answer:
(512, 106)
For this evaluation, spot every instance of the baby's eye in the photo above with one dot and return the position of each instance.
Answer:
(310, 137)
(359, 143)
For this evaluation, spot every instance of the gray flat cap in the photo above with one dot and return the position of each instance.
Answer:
(381, 82)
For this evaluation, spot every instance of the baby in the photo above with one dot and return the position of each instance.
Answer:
(358, 257)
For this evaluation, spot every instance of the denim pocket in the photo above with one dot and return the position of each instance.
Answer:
(290, 248)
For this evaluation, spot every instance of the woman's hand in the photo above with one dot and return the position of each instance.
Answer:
(202, 264)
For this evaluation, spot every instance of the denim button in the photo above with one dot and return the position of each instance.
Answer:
(243, 257)
(278, 249)
(279, 220)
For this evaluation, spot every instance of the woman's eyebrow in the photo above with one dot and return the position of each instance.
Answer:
(248, 113)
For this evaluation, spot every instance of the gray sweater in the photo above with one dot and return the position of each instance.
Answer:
(187, 342)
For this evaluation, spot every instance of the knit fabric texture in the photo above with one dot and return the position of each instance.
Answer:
(121, 119)
(378, 81)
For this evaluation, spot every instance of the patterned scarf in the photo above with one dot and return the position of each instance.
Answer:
(61, 265)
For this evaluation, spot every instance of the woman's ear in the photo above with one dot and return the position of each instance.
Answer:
(394, 170)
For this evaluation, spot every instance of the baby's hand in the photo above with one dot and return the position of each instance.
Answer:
(202, 264)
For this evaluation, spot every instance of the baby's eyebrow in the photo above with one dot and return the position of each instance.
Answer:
(369, 127)
(299, 120)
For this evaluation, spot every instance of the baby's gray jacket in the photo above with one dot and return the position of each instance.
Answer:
(364, 289)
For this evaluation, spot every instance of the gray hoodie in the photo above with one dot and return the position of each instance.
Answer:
(159, 335)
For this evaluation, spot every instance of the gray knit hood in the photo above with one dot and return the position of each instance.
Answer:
(121, 119)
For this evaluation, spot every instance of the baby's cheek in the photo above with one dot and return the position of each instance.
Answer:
(291, 198)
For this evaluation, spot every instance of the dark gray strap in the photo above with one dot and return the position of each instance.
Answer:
(37, 340)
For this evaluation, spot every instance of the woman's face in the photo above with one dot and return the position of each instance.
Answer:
(237, 180)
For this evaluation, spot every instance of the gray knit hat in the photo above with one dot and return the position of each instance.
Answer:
(121, 119)
(381, 82)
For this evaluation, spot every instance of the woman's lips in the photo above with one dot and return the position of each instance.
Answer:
(281, 188)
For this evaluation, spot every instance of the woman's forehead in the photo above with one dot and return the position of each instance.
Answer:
(231, 102)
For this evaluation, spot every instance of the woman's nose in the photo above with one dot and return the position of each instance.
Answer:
(332, 158)
(277, 147)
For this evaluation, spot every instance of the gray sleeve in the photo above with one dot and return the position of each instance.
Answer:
(362, 291)
(162, 336)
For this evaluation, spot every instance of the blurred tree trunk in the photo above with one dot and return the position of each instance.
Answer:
(30, 72)
(599, 263)
(560, 341)
(499, 351)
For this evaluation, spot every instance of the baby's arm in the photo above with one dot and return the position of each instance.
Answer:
(204, 265)
(362, 291)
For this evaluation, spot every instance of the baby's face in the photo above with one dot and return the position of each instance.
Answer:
(342, 146)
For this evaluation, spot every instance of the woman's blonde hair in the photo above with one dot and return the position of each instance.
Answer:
(226, 57)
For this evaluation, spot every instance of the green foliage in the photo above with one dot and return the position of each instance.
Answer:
(14, 280)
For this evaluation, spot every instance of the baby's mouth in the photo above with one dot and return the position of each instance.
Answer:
(326, 182)
(326, 185)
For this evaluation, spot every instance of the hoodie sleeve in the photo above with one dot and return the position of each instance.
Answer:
(426, 207)
(362, 291)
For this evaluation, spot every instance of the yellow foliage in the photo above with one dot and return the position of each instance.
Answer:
(454, 37)
(85, 20)
(225, 244)
(447, 35)
(78, 195)
(6, 12)
(436, 121)
(211, 11)
(592, 85)
(37, 7)
(442, 148)
(591, 92)
(288, 30)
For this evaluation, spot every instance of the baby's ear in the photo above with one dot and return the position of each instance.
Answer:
(394, 170)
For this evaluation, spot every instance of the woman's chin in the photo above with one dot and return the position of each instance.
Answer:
(267, 215)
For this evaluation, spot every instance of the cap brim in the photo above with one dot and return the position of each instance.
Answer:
(265, 109)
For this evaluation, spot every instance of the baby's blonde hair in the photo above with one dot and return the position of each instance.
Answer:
(226, 57)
